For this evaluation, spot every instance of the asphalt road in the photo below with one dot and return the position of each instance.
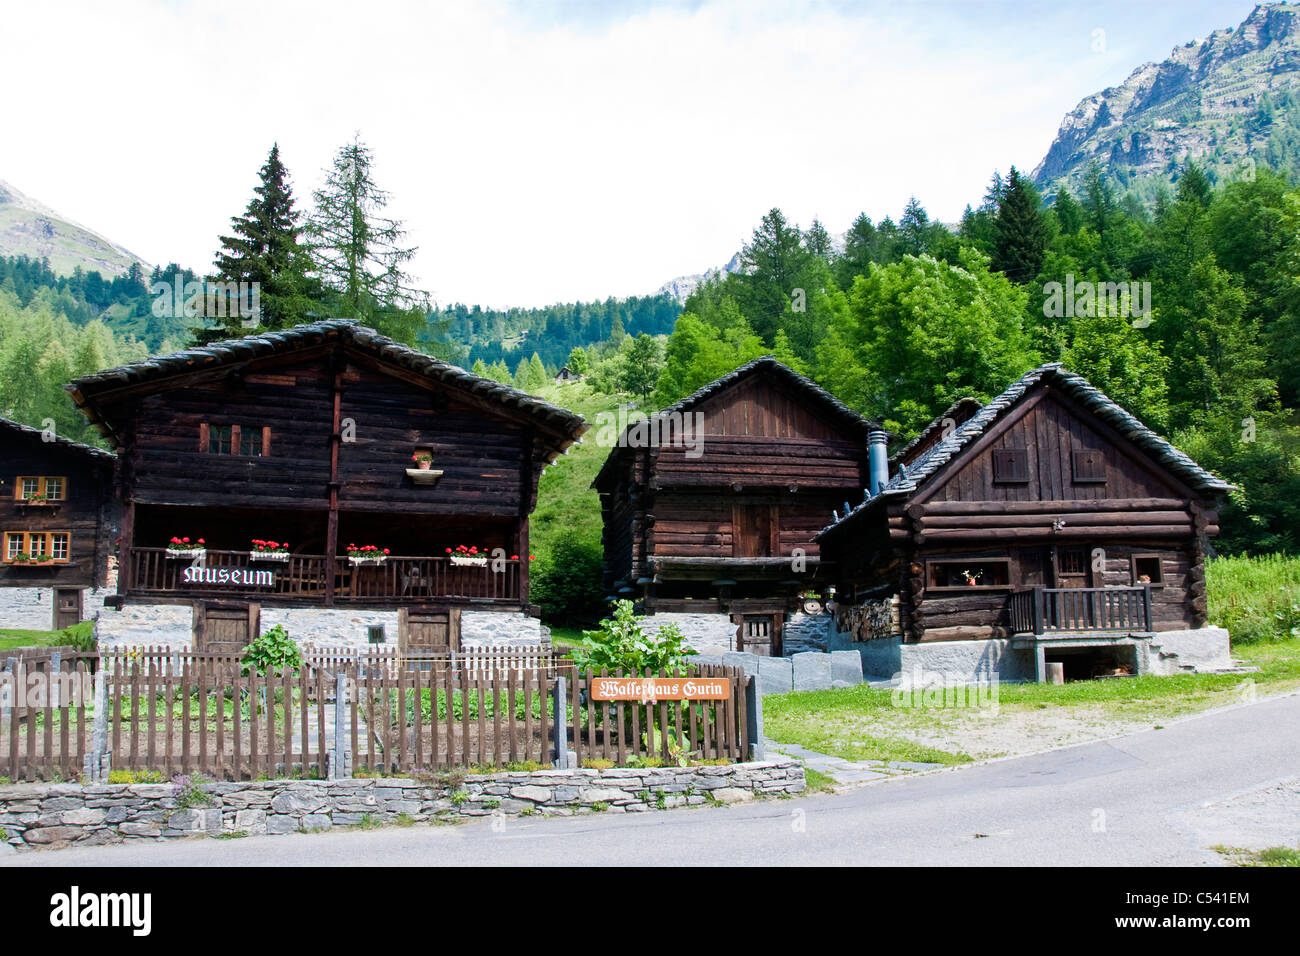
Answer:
(1156, 798)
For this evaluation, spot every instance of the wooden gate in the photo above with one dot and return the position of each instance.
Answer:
(67, 607)
(428, 630)
(221, 628)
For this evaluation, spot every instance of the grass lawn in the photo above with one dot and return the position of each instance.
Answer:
(11, 637)
(861, 723)
(77, 635)
(565, 637)
(1273, 856)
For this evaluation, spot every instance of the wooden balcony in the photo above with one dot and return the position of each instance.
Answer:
(399, 580)
(1058, 611)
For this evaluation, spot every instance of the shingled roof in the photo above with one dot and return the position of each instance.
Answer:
(89, 391)
(910, 478)
(100, 456)
(765, 363)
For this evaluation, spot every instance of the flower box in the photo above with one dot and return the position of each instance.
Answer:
(356, 560)
(187, 554)
(269, 555)
(478, 561)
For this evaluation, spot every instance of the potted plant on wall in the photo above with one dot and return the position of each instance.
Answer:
(269, 550)
(468, 556)
(185, 549)
(423, 473)
(366, 554)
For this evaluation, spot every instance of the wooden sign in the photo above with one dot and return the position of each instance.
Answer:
(660, 688)
(233, 577)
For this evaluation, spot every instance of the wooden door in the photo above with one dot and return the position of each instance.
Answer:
(67, 607)
(1073, 611)
(751, 530)
(1035, 569)
(759, 634)
(428, 630)
(225, 628)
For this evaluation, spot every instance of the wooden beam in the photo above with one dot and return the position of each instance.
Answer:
(918, 510)
(1050, 534)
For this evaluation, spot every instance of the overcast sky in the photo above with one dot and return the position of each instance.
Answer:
(544, 152)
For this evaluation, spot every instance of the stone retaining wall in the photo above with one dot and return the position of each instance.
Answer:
(54, 815)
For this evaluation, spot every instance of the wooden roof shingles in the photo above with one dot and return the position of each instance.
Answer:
(88, 392)
(911, 477)
(98, 455)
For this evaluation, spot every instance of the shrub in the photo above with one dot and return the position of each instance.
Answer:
(273, 652)
(567, 582)
(620, 642)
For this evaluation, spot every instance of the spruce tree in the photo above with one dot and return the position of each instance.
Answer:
(266, 250)
(1021, 240)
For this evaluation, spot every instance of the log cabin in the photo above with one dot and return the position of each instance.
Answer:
(1049, 526)
(56, 528)
(710, 506)
(328, 471)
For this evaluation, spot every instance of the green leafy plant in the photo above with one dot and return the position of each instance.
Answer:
(620, 642)
(273, 653)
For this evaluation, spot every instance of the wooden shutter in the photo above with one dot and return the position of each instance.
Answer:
(203, 437)
(1010, 465)
(1089, 465)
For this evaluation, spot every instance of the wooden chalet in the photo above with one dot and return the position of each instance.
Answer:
(723, 522)
(56, 521)
(1050, 516)
(318, 439)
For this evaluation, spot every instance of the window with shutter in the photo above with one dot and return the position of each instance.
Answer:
(1011, 465)
(1089, 465)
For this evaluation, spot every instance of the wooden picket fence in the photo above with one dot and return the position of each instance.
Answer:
(170, 712)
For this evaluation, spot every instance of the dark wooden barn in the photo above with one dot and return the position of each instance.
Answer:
(1049, 515)
(56, 520)
(711, 505)
(293, 454)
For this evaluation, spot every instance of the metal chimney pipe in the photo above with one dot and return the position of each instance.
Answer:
(877, 460)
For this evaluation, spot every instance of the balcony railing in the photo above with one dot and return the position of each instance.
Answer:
(398, 580)
(1042, 611)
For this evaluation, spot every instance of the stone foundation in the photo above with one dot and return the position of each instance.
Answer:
(170, 625)
(55, 815)
(501, 629)
(707, 633)
(1205, 649)
(32, 609)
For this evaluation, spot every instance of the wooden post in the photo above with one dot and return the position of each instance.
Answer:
(561, 726)
(339, 768)
(1146, 605)
(99, 761)
(332, 522)
(1038, 611)
(754, 717)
